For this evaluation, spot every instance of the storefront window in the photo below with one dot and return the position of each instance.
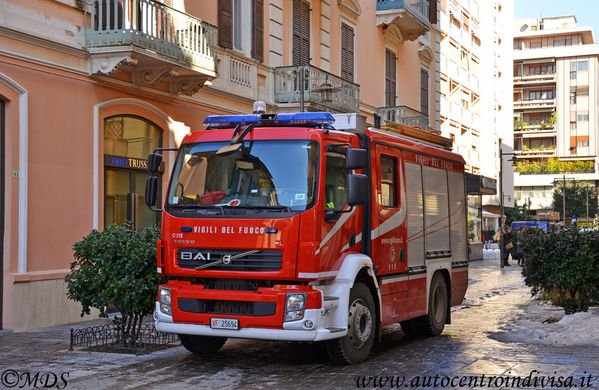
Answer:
(474, 218)
(128, 141)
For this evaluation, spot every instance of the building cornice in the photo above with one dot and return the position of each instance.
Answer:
(45, 43)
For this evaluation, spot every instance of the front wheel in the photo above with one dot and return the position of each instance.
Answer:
(201, 344)
(356, 345)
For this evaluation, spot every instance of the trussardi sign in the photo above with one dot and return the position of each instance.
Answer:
(125, 162)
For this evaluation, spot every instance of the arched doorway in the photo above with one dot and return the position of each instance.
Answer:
(127, 142)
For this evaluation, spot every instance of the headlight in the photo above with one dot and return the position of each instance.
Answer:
(165, 300)
(296, 302)
(294, 315)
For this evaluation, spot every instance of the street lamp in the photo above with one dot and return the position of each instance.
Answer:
(563, 196)
(513, 160)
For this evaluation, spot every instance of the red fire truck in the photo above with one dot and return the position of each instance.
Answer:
(281, 227)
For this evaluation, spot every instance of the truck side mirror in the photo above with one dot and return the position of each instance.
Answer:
(356, 159)
(357, 190)
(154, 161)
(151, 191)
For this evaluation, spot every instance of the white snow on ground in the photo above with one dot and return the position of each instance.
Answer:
(544, 323)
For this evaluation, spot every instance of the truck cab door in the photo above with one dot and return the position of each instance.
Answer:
(388, 249)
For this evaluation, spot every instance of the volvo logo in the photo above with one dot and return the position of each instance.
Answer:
(227, 259)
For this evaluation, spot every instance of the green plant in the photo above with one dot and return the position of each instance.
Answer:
(116, 267)
(563, 265)
(576, 199)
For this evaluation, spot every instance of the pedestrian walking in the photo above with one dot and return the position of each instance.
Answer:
(507, 244)
(488, 237)
(519, 239)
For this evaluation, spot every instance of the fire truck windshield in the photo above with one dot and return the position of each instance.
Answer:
(265, 175)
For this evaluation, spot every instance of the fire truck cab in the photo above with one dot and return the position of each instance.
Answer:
(281, 227)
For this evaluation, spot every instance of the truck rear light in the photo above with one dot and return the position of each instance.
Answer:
(165, 300)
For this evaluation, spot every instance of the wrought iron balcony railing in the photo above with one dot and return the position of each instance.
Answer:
(320, 88)
(417, 9)
(148, 24)
(405, 116)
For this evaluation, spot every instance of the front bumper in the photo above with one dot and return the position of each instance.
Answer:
(292, 330)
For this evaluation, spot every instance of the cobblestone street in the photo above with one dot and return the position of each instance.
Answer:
(469, 346)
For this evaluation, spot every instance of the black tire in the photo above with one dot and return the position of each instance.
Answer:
(201, 344)
(361, 329)
(433, 323)
(409, 328)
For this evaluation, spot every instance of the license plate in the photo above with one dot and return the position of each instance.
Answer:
(224, 323)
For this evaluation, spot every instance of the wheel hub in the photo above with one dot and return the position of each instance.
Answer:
(360, 323)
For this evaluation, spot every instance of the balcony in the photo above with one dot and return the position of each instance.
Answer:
(534, 79)
(410, 16)
(534, 104)
(322, 90)
(535, 130)
(158, 42)
(404, 115)
(536, 152)
(243, 77)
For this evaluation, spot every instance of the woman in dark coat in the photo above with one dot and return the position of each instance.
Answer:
(507, 244)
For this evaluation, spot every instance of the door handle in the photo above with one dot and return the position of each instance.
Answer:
(401, 255)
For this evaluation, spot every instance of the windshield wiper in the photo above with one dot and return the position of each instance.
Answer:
(277, 208)
(198, 206)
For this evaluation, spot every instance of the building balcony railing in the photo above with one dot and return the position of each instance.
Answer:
(541, 103)
(534, 78)
(159, 41)
(535, 129)
(404, 115)
(321, 89)
(537, 152)
(410, 16)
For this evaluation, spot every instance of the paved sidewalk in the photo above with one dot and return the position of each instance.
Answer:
(470, 346)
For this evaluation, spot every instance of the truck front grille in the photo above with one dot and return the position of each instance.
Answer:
(210, 306)
(264, 260)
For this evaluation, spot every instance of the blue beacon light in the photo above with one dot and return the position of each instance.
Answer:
(283, 119)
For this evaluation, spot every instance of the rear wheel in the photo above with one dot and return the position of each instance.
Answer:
(356, 345)
(433, 323)
(201, 344)
(409, 327)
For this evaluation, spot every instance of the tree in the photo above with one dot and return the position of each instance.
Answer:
(116, 267)
(516, 213)
(576, 199)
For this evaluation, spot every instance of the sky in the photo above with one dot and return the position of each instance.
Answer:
(586, 11)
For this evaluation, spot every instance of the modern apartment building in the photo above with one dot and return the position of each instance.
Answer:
(89, 88)
(555, 106)
(476, 106)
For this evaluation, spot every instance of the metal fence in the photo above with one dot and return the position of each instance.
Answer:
(108, 335)
(151, 25)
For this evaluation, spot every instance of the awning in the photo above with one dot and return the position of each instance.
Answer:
(538, 60)
(480, 185)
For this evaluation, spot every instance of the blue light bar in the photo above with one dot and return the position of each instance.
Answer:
(284, 119)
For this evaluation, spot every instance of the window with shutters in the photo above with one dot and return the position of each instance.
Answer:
(424, 91)
(241, 26)
(301, 32)
(390, 78)
(347, 52)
